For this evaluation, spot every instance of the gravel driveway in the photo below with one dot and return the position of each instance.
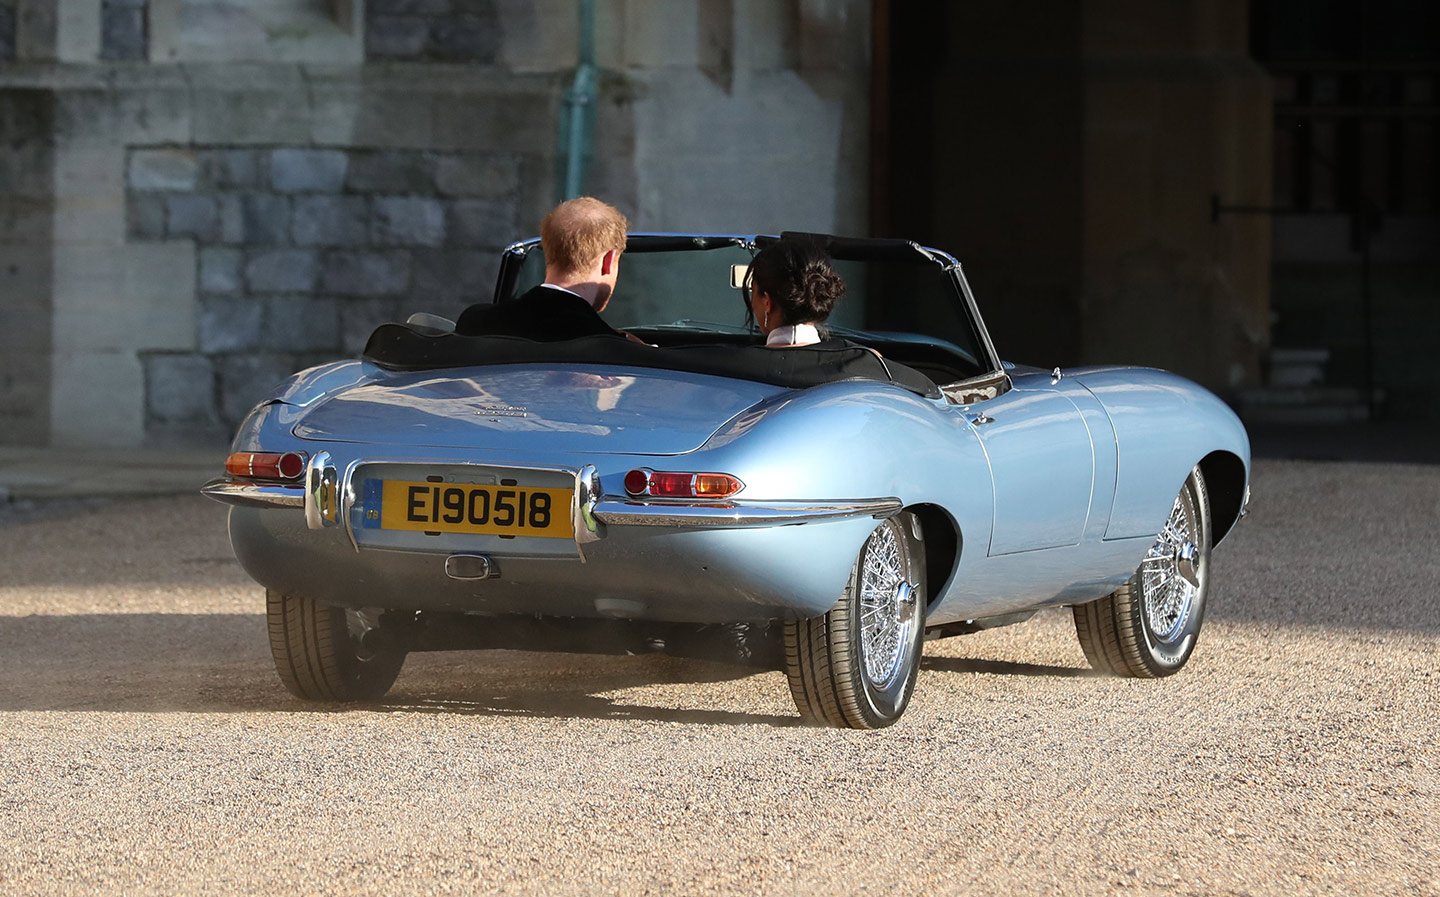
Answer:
(146, 746)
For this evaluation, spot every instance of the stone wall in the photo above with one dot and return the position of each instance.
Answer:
(27, 206)
(432, 30)
(179, 234)
(301, 252)
(184, 237)
(123, 30)
(7, 30)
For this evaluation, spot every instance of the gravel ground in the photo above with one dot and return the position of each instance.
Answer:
(146, 746)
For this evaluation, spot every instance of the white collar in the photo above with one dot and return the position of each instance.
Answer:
(793, 335)
(551, 286)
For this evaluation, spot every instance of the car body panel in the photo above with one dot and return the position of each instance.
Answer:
(1042, 461)
(535, 408)
(1164, 425)
(708, 576)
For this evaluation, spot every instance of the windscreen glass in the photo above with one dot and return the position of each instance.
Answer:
(691, 289)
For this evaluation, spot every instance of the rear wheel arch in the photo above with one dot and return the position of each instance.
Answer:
(943, 544)
(1224, 474)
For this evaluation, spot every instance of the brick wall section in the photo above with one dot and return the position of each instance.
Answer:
(123, 35)
(432, 30)
(7, 30)
(302, 251)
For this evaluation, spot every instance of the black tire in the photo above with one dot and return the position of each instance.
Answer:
(833, 681)
(1147, 629)
(318, 653)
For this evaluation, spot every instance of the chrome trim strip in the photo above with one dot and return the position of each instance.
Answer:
(254, 495)
(623, 512)
(986, 343)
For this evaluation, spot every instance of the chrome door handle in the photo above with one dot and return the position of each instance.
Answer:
(980, 419)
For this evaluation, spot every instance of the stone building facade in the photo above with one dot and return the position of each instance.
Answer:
(198, 197)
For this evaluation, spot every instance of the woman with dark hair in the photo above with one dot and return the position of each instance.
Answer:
(792, 288)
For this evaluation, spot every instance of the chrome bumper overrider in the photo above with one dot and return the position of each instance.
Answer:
(621, 512)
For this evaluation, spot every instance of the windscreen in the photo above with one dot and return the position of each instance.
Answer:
(691, 289)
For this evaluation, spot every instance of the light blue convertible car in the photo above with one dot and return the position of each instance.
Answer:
(820, 511)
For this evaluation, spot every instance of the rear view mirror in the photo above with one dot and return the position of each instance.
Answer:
(737, 275)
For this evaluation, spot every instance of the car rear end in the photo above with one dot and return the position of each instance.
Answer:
(503, 490)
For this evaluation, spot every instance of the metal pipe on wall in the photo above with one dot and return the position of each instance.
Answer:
(578, 109)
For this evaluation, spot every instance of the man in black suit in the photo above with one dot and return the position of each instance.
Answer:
(582, 240)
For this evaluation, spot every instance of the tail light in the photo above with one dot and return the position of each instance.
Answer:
(680, 484)
(266, 465)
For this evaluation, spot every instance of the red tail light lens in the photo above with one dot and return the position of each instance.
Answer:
(671, 485)
(266, 465)
(680, 484)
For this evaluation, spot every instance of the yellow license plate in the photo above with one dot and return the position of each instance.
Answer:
(469, 508)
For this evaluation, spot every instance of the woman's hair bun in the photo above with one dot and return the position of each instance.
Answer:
(822, 284)
(797, 275)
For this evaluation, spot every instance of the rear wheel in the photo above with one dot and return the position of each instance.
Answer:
(326, 653)
(855, 667)
(1148, 627)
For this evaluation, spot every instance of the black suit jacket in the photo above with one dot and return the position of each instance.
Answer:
(544, 314)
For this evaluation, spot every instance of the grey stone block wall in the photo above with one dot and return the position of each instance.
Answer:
(7, 30)
(432, 30)
(123, 33)
(303, 251)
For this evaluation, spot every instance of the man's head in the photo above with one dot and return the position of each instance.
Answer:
(582, 239)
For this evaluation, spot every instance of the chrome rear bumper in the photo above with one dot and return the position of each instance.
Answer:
(325, 504)
(254, 495)
(625, 512)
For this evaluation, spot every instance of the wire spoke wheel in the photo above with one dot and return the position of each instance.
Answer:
(1169, 575)
(1148, 627)
(887, 608)
(856, 666)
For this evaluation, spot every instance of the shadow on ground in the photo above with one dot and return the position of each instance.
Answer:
(219, 663)
(209, 663)
(1002, 667)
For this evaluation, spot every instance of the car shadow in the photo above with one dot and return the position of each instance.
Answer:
(1002, 668)
(220, 663)
(580, 703)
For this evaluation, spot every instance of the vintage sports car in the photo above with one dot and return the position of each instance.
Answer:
(818, 510)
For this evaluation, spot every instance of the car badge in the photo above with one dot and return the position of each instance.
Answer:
(501, 410)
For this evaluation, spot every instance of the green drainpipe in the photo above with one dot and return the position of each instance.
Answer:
(577, 111)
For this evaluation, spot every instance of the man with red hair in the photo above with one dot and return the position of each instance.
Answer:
(582, 240)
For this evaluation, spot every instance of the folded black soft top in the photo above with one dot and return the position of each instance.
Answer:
(400, 347)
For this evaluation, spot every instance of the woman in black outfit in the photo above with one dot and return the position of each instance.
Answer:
(792, 288)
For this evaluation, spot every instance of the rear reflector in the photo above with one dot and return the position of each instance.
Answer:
(680, 484)
(266, 465)
(636, 481)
